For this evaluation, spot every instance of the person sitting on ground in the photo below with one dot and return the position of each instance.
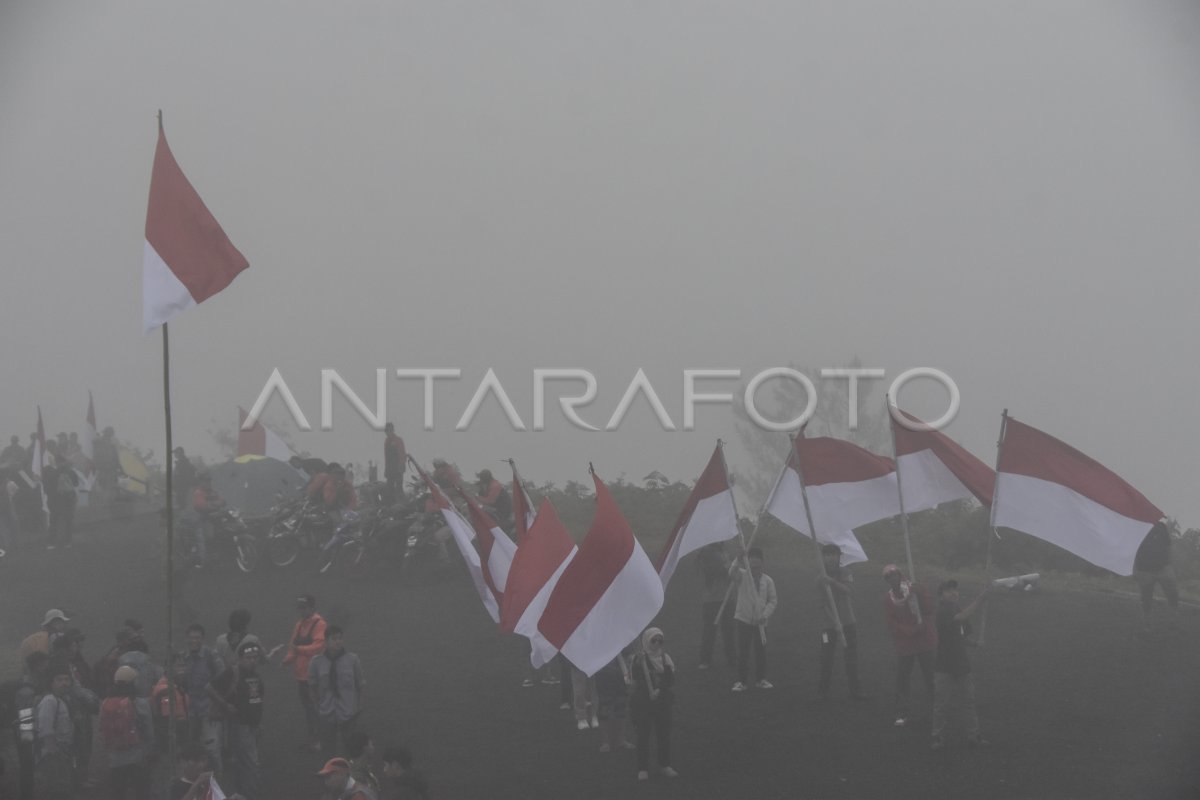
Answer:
(401, 781)
(360, 751)
(652, 701)
(1152, 565)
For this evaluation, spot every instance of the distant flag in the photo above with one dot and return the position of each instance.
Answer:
(1050, 490)
(187, 257)
(539, 562)
(495, 548)
(847, 487)
(606, 596)
(260, 441)
(523, 509)
(934, 469)
(708, 516)
(39, 459)
(462, 533)
(87, 441)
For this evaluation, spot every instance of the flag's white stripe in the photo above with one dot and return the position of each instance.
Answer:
(163, 294)
(620, 615)
(712, 521)
(461, 530)
(275, 446)
(500, 558)
(927, 482)
(541, 651)
(1062, 516)
(836, 507)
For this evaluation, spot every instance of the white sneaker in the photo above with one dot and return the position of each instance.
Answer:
(739, 687)
(643, 775)
(764, 684)
(582, 725)
(595, 722)
(667, 772)
(565, 707)
(900, 722)
(527, 683)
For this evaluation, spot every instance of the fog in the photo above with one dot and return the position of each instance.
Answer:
(1006, 192)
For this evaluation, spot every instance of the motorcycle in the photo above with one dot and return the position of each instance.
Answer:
(228, 535)
(297, 524)
(381, 536)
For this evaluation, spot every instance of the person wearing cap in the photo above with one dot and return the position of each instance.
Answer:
(911, 619)
(953, 686)
(54, 623)
(128, 759)
(841, 587)
(335, 679)
(340, 784)
(307, 642)
(395, 458)
(238, 694)
(493, 496)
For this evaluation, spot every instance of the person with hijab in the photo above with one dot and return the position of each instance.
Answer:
(650, 706)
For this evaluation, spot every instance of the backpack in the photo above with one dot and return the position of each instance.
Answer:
(118, 724)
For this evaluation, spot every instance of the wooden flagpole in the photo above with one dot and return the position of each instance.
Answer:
(987, 569)
(837, 619)
(762, 629)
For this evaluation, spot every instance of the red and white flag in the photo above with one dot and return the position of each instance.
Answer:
(523, 509)
(496, 550)
(536, 568)
(187, 257)
(847, 487)
(88, 439)
(606, 596)
(260, 440)
(1050, 490)
(934, 469)
(462, 533)
(708, 516)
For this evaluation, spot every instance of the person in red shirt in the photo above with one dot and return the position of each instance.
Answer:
(333, 492)
(308, 640)
(911, 618)
(494, 497)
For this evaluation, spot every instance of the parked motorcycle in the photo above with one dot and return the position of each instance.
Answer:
(228, 536)
(296, 525)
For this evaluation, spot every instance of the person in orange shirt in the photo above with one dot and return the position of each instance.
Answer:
(53, 626)
(308, 640)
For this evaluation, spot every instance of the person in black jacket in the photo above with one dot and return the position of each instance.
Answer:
(1152, 565)
(650, 706)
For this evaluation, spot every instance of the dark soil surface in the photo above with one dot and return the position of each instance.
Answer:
(1074, 704)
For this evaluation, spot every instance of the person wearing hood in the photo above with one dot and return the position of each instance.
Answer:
(650, 706)
(912, 621)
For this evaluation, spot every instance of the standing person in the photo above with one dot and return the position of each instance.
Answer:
(841, 588)
(307, 642)
(613, 682)
(340, 784)
(335, 680)
(494, 497)
(911, 618)
(401, 780)
(137, 655)
(651, 703)
(756, 601)
(714, 567)
(55, 763)
(160, 704)
(227, 643)
(953, 686)
(583, 697)
(184, 478)
(8, 511)
(239, 693)
(201, 666)
(395, 459)
(34, 683)
(13, 456)
(54, 624)
(64, 485)
(83, 699)
(1152, 565)
(127, 729)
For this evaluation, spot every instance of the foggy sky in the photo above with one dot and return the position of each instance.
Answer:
(1007, 192)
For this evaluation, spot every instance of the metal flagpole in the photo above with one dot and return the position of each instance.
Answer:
(762, 629)
(987, 569)
(912, 573)
(170, 540)
(837, 619)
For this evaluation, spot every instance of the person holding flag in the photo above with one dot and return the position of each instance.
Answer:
(909, 612)
(756, 602)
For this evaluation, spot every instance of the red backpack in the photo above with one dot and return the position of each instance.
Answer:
(118, 724)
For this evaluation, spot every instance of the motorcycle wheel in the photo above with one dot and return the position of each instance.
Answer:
(282, 550)
(247, 553)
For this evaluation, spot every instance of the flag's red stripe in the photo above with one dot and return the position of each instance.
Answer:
(825, 460)
(252, 442)
(546, 544)
(977, 476)
(1028, 451)
(712, 481)
(604, 553)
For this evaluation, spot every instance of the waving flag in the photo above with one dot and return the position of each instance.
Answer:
(260, 440)
(606, 596)
(934, 469)
(1050, 490)
(462, 533)
(496, 550)
(536, 568)
(708, 516)
(187, 258)
(523, 508)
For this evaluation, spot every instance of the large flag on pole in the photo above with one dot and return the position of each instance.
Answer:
(462, 534)
(606, 596)
(187, 257)
(260, 441)
(523, 509)
(1050, 490)
(708, 516)
(934, 469)
(847, 487)
(536, 568)
(496, 550)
